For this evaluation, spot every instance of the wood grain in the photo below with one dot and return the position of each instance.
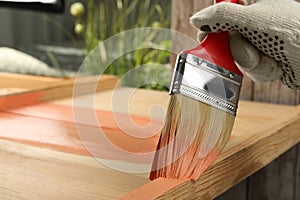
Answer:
(26, 81)
(41, 173)
(84, 85)
(37, 89)
(126, 100)
(256, 140)
(35, 173)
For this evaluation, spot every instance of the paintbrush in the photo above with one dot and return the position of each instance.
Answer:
(204, 96)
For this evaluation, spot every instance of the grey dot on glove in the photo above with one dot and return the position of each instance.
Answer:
(271, 32)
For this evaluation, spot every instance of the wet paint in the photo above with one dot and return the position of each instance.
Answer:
(21, 99)
(154, 189)
(52, 126)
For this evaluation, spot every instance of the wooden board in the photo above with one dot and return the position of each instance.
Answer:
(257, 140)
(35, 88)
(262, 132)
(127, 100)
(34, 173)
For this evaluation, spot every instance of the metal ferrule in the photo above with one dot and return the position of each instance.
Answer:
(205, 82)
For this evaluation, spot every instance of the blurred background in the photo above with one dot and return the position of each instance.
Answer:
(62, 40)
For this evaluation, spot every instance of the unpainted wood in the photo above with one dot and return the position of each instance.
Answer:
(35, 173)
(26, 81)
(80, 86)
(245, 153)
(124, 100)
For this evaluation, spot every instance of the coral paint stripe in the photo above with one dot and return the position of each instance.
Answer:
(63, 136)
(154, 189)
(22, 99)
(106, 119)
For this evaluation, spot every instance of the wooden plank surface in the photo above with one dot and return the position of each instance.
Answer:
(37, 89)
(126, 100)
(26, 81)
(33, 173)
(257, 138)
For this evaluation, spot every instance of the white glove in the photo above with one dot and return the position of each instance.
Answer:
(266, 41)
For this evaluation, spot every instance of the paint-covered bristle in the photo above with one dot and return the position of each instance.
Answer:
(193, 135)
(205, 91)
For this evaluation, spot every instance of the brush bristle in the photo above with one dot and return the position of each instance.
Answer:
(193, 135)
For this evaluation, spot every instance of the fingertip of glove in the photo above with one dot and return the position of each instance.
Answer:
(222, 12)
(195, 21)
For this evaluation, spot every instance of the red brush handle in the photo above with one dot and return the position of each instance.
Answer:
(215, 49)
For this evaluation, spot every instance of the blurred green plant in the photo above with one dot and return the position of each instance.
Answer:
(100, 19)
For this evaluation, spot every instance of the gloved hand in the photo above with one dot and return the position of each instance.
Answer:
(266, 38)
